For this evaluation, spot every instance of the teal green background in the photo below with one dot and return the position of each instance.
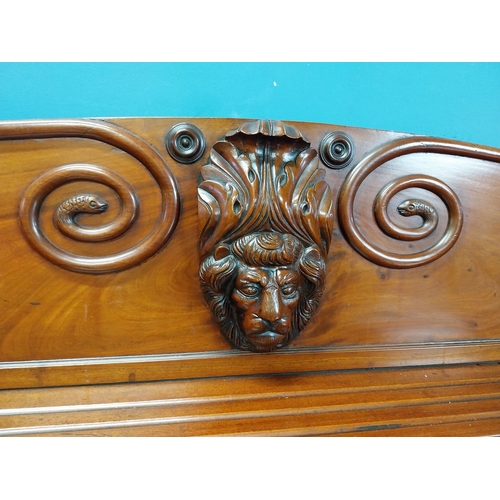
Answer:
(455, 100)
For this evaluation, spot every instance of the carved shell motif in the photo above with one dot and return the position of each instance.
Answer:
(266, 219)
(264, 177)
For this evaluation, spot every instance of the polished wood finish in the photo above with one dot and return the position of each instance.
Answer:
(68, 333)
(266, 222)
(384, 154)
(429, 401)
(37, 192)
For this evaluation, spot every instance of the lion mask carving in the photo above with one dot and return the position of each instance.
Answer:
(263, 288)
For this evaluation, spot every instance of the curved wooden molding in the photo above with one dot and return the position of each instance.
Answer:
(87, 353)
(36, 193)
(384, 154)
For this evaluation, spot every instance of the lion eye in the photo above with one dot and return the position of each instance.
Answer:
(289, 289)
(93, 204)
(250, 290)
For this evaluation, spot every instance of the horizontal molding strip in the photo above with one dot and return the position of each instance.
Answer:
(291, 395)
(292, 412)
(83, 371)
(148, 358)
(429, 427)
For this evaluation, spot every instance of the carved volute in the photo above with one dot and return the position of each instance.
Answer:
(266, 219)
(65, 217)
(354, 275)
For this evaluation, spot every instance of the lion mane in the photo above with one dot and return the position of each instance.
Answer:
(219, 270)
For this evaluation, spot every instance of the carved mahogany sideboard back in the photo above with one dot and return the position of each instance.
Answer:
(166, 276)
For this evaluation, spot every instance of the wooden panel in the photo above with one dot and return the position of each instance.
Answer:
(146, 327)
(458, 400)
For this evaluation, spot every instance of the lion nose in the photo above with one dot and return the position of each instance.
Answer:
(270, 306)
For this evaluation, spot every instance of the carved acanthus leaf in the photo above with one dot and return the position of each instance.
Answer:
(264, 177)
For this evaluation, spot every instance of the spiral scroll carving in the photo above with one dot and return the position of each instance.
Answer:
(36, 193)
(423, 208)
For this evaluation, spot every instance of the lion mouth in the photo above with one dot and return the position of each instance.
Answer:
(265, 339)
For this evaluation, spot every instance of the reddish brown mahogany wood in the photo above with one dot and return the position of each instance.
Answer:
(389, 350)
(266, 220)
(430, 401)
(37, 192)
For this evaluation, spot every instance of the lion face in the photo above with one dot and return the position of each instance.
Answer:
(265, 300)
(263, 289)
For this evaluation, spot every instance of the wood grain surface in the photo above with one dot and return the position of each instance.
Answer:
(458, 400)
(150, 323)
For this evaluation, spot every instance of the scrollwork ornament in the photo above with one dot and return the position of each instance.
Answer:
(410, 207)
(266, 219)
(67, 212)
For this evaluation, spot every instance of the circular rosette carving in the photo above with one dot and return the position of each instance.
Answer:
(410, 207)
(66, 214)
(336, 150)
(185, 143)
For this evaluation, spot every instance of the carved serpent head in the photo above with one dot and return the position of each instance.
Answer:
(84, 203)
